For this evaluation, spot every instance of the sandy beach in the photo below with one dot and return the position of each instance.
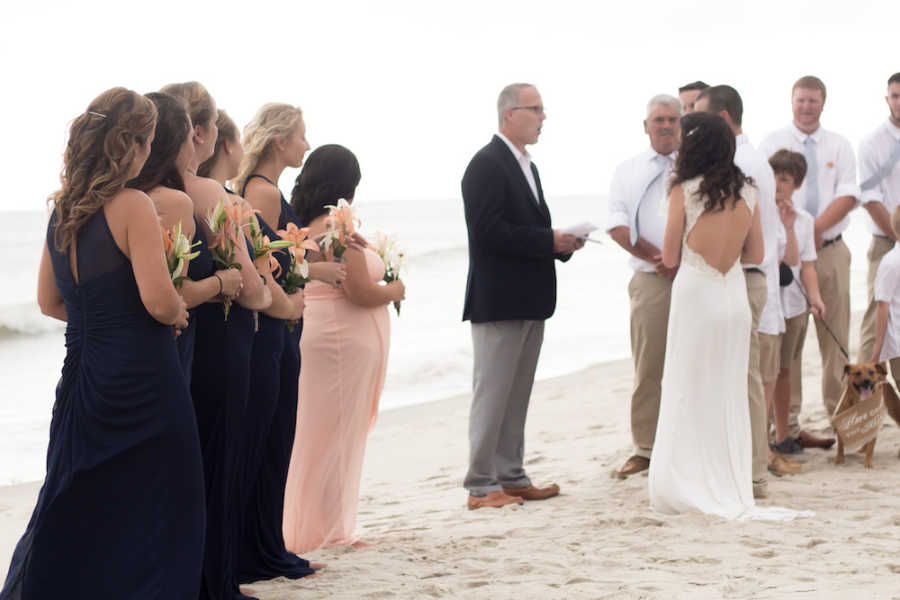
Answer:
(598, 539)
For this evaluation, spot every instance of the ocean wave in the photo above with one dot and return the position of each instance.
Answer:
(25, 319)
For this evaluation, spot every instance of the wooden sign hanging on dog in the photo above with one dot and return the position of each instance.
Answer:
(860, 423)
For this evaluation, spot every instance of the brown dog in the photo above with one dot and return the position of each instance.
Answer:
(859, 384)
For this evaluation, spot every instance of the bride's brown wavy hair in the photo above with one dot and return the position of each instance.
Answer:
(707, 149)
(102, 145)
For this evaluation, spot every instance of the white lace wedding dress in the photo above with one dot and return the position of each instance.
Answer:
(702, 454)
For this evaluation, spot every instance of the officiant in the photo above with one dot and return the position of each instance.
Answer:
(637, 222)
(510, 292)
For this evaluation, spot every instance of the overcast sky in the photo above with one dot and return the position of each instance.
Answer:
(410, 86)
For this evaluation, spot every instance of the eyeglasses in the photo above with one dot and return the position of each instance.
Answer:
(536, 109)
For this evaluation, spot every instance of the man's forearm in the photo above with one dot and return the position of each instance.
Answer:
(836, 211)
(881, 217)
(641, 249)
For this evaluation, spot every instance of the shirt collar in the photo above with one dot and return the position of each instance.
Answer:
(519, 155)
(802, 135)
(741, 139)
(653, 154)
(893, 129)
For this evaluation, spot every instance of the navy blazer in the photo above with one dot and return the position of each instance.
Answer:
(512, 275)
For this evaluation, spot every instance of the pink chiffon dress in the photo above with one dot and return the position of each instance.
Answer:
(345, 353)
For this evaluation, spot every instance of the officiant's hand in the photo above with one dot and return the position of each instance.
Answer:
(579, 243)
(564, 243)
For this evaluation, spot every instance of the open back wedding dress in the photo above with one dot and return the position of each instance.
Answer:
(702, 455)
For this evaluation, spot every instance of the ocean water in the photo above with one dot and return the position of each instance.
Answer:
(431, 349)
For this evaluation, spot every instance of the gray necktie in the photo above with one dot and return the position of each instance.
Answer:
(883, 172)
(812, 177)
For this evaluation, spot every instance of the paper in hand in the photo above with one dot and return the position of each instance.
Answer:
(581, 230)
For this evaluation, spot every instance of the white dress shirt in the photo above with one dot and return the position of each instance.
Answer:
(637, 200)
(755, 164)
(887, 289)
(524, 161)
(835, 166)
(874, 152)
(792, 301)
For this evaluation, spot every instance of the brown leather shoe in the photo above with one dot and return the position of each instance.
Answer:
(632, 466)
(781, 465)
(808, 440)
(494, 499)
(533, 493)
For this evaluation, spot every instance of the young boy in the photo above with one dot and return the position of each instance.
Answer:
(887, 311)
(790, 169)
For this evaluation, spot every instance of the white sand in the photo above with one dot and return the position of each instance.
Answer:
(598, 539)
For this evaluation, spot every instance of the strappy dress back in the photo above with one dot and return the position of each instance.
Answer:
(121, 511)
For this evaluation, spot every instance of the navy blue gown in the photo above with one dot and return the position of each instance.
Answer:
(263, 555)
(220, 387)
(199, 268)
(121, 511)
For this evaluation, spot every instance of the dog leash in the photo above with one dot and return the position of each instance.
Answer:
(786, 274)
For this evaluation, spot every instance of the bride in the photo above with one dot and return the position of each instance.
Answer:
(702, 454)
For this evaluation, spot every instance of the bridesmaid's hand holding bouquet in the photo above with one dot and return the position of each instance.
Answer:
(224, 225)
(393, 258)
(298, 272)
(342, 223)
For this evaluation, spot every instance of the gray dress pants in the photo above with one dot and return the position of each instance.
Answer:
(505, 358)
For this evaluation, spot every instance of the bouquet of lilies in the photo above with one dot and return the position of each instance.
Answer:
(263, 247)
(298, 272)
(224, 224)
(178, 252)
(392, 256)
(342, 222)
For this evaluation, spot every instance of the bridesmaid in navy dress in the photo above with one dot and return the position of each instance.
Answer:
(121, 511)
(162, 178)
(221, 374)
(263, 555)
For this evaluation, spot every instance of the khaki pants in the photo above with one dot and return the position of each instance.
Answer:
(756, 293)
(877, 249)
(833, 272)
(650, 295)
(795, 336)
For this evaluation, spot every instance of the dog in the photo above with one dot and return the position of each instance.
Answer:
(859, 384)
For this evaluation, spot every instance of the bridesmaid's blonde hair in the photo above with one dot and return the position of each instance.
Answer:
(271, 122)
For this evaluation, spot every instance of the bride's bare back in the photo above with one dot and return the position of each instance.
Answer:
(720, 238)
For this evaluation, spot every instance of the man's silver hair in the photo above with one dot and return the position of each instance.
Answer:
(664, 100)
(509, 98)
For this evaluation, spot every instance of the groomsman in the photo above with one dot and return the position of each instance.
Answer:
(879, 175)
(828, 193)
(762, 279)
(637, 222)
(689, 93)
(511, 290)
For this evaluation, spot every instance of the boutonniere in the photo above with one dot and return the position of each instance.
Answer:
(830, 164)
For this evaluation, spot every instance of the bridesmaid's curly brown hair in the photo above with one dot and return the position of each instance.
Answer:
(103, 142)
(707, 149)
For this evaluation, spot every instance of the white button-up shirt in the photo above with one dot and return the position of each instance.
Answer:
(874, 152)
(755, 164)
(835, 166)
(792, 301)
(887, 289)
(524, 161)
(637, 200)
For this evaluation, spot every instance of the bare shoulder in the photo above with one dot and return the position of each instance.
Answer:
(204, 193)
(130, 203)
(172, 205)
(262, 194)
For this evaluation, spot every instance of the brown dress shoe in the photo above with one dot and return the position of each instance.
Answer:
(533, 493)
(495, 499)
(781, 465)
(632, 466)
(808, 440)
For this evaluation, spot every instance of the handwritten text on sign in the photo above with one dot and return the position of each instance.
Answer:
(859, 424)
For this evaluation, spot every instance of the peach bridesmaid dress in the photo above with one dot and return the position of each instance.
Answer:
(345, 351)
